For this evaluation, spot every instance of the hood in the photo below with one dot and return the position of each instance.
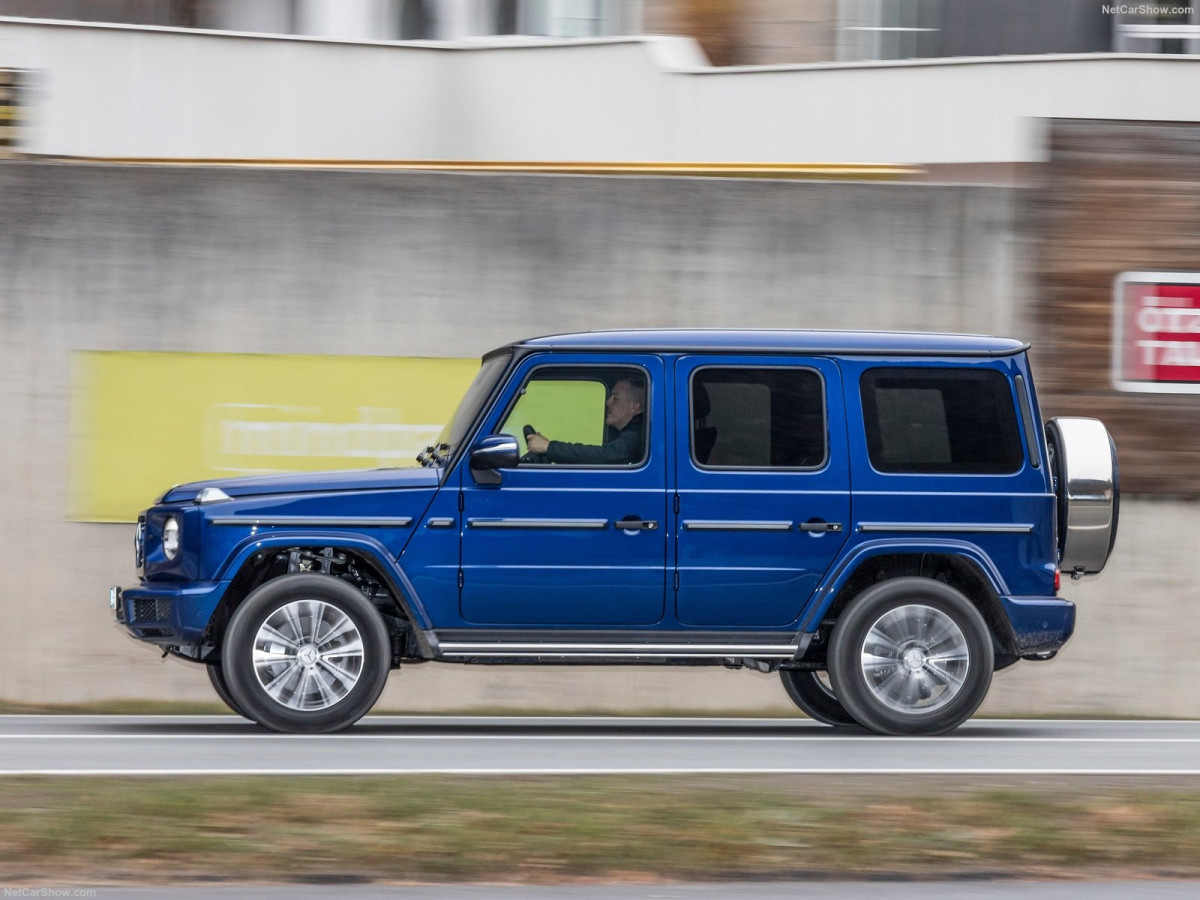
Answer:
(307, 483)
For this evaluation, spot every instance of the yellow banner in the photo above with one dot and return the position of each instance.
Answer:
(142, 422)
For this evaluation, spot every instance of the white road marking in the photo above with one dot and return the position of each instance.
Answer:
(799, 770)
(773, 721)
(573, 746)
(862, 739)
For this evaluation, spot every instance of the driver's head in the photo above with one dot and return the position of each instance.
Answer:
(627, 399)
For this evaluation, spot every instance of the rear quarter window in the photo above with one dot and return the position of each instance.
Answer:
(940, 421)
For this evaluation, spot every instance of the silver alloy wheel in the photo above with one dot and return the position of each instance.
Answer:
(308, 655)
(915, 659)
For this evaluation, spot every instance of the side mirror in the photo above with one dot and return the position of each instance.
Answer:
(496, 451)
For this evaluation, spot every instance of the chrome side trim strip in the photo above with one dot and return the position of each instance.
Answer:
(573, 524)
(440, 523)
(734, 525)
(619, 654)
(952, 527)
(317, 522)
(499, 649)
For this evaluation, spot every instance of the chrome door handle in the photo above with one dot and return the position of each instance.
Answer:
(632, 523)
(819, 527)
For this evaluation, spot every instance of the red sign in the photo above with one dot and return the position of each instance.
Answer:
(1156, 333)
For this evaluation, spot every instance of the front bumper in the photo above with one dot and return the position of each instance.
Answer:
(167, 614)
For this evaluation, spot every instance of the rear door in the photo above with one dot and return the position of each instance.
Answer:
(762, 502)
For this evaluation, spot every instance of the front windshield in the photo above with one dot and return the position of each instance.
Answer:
(470, 405)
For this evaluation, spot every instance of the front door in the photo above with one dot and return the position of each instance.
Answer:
(576, 535)
(763, 487)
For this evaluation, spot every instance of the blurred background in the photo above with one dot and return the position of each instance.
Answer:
(278, 234)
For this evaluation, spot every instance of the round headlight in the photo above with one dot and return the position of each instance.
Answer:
(170, 543)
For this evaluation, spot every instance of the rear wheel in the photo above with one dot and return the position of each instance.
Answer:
(911, 656)
(815, 698)
(306, 653)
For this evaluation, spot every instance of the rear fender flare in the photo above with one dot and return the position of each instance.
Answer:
(825, 595)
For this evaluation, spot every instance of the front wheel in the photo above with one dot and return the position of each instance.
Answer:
(306, 653)
(814, 697)
(216, 677)
(911, 656)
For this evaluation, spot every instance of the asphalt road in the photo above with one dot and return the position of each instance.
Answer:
(129, 745)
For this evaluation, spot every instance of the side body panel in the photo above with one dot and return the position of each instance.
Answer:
(724, 553)
(1001, 523)
(544, 548)
(753, 541)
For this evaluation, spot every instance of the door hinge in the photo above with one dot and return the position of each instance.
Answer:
(462, 501)
(676, 580)
(676, 504)
(460, 579)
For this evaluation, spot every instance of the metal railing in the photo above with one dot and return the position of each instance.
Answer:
(1130, 36)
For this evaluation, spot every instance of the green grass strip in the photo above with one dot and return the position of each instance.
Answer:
(548, 829)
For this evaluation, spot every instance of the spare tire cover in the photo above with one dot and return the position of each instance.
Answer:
(1083, 461)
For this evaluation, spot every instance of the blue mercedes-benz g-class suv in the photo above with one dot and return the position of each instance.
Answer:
(881, 518)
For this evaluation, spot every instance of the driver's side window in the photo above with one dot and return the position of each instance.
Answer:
(570, 407)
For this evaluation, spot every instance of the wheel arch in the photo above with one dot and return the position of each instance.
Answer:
(257, 561)
(964, 567)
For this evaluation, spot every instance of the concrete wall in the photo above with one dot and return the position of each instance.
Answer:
(280, 261)
(120, 91)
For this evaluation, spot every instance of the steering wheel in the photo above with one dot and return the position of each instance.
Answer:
(532, 457)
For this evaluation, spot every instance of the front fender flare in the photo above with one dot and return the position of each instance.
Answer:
(397, 581)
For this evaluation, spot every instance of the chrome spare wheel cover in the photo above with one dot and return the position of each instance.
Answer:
(1089, 488)
(915, 659)
(308, 655)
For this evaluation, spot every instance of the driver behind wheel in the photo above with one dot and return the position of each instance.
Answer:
(625, 431)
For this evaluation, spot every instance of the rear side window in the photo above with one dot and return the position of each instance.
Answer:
(952, 421)
(758, 418)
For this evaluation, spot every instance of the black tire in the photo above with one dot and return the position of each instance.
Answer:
(901, 690)
(217, 678)
(323, 655)
(814, 698)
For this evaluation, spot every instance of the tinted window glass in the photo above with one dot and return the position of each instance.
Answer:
(758, 418)
(958, 421)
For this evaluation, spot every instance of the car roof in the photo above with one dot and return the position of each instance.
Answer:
(723, 340)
